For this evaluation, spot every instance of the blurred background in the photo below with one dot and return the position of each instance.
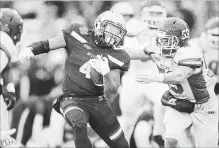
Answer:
(38, 82)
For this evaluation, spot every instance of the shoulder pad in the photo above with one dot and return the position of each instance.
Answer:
(73, 27)
(120, 59)
(77, 31)
(191, 52)
(193, 62)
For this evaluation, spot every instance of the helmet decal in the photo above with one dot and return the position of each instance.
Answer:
(185, 34)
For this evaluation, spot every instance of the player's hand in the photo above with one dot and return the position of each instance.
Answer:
(9, 96)
(148, 78)
(6, 140)
(101, 65)
(25, 54)
(6, 133)
(151, 47)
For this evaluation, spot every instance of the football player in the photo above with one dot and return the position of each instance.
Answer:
(209, 43)
(192, 106)
(10, 31)
(82, 101)
(152, 13)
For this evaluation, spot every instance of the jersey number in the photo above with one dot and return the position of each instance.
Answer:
(85, 69)
(177, 88)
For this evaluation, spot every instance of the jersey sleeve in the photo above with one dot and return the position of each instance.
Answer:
(120, 60)
(73, 35)
(190, 56)
(72, 27)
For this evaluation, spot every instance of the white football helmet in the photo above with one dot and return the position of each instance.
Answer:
(152, 13)
(124, 8)
(212, 32)
(109, 28)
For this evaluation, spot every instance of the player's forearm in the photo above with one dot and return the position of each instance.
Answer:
(173, 78)
(137, 54)
(39, 47)
(110, 86)
(45, 46)
(176, 76)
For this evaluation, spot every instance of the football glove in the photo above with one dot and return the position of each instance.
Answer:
(25, 54)
(9, 96)
(6, 140)
(181, 105)
(101, 65)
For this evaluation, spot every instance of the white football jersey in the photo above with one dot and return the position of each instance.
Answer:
(197, 88)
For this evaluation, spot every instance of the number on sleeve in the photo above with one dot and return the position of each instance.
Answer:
(178, 89)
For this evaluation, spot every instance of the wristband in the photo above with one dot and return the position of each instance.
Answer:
(40, 47)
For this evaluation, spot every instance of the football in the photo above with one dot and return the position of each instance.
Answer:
(96, 77)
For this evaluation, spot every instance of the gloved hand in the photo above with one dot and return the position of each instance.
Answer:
(25, 54)
(9, 96)
(6, 140)
(181, 105)
(101, 65)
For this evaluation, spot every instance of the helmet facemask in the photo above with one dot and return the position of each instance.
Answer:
(152, 16)
(212, 38)
(168, 44)
(110, 33)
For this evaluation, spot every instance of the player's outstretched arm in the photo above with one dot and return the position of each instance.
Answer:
(137, 53)
(177, 76)
(42, 47)
(174, 77)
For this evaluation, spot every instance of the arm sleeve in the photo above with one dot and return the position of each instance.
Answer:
(189, 56)
(121, 60)
(54, 43)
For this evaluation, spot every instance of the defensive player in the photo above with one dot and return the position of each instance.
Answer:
(133, 103)
(10, 32)
(209, 43)
(83, 101)
(192, 103)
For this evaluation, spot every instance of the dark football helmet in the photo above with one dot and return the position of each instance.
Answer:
(11, 23)
(110, 29)
(172, 34)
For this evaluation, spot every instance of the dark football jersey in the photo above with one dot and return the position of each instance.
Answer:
(81, 48)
